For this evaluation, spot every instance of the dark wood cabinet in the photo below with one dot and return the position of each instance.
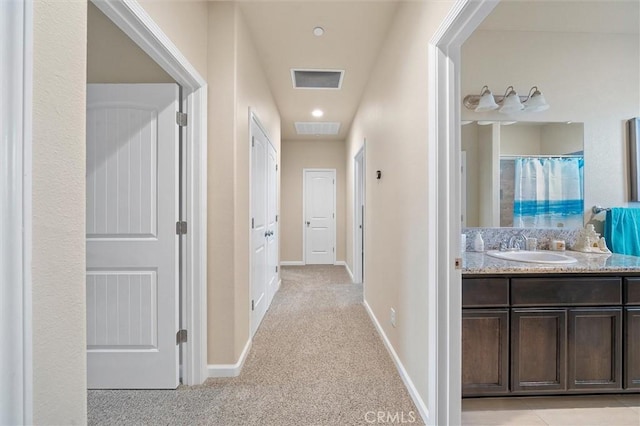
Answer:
(595, 349)
(538, 350)
(632, 349)
(550, 334)
(485, 351)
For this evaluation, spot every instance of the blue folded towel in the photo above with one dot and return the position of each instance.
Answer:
(622, 230)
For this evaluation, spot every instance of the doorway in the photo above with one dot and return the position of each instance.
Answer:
(359, 215)
(319, 216)
(142, 30)
(444, 189)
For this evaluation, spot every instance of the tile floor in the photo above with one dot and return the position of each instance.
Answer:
(599, 410)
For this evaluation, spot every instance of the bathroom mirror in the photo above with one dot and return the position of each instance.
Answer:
(522, 174)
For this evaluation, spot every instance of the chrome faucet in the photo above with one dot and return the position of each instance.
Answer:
(514, 242)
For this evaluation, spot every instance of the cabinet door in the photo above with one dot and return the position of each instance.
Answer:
(632, 351)
(595, 349)
(485, 351)
(538, 345)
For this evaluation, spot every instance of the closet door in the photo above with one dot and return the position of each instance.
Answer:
(264, 223)
(272, 222)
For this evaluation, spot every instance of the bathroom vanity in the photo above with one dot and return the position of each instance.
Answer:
(539, 329)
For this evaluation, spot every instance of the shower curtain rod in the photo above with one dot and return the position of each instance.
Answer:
(542, 156)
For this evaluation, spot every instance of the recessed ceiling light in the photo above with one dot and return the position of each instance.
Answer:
(317, 113)
(318, 31)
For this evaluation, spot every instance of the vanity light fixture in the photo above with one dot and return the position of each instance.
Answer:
(509, 103)
(486, 101)
(535, 101)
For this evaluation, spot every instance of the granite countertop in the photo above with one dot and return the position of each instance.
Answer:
(480, 263)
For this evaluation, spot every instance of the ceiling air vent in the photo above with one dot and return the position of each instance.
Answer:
(317, 79)
(317, 128)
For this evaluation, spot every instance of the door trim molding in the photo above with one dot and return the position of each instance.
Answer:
(16, 390)
(358, 271)
(304, 212)
(444, 291)
(133, 20)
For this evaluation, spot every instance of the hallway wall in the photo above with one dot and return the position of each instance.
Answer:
(236, 83)
(296, 156)
(58, 212)
(393, 117)
(186, 24)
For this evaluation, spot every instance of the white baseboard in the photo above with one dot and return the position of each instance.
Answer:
(413, 392)
(291, 263)
(346, 266)
(229, 370)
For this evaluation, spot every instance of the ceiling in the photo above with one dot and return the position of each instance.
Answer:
(283, 34)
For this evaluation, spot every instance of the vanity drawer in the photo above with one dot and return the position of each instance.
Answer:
(587, 291)
(632, 291)
(487, 292)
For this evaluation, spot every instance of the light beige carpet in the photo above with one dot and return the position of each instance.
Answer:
(316, 360)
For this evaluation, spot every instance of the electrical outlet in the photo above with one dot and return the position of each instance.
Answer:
(392, 317)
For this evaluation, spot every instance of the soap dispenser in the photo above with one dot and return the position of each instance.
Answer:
(478, 243)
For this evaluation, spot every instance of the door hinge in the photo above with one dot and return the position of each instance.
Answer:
(181, 118)
(181, 337)
(181, 228)
(253, 141)
(458, 263)
(253, 223)
(253, 305)
(276, 167)
(276, 268)
(334, 249)
(276, 218)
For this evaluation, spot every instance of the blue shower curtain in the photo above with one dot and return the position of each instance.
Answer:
(548, 192)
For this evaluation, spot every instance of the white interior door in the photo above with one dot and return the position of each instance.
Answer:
(132, 246)
(272, 222)
(319, 216)
(260, 232)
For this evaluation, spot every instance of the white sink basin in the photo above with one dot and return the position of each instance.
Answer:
(533, 256)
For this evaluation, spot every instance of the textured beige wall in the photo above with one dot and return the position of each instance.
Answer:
(393, 117)
(221, 209)
(185, 22)
(113, 58)
(236, 83)
(296, 156)
(585, 77)
(252, 92)
(58, 268)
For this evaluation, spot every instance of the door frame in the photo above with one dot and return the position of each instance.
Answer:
(444, 227)
(16, 406)
(359, 191)
(133, 20)
(304, 212)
